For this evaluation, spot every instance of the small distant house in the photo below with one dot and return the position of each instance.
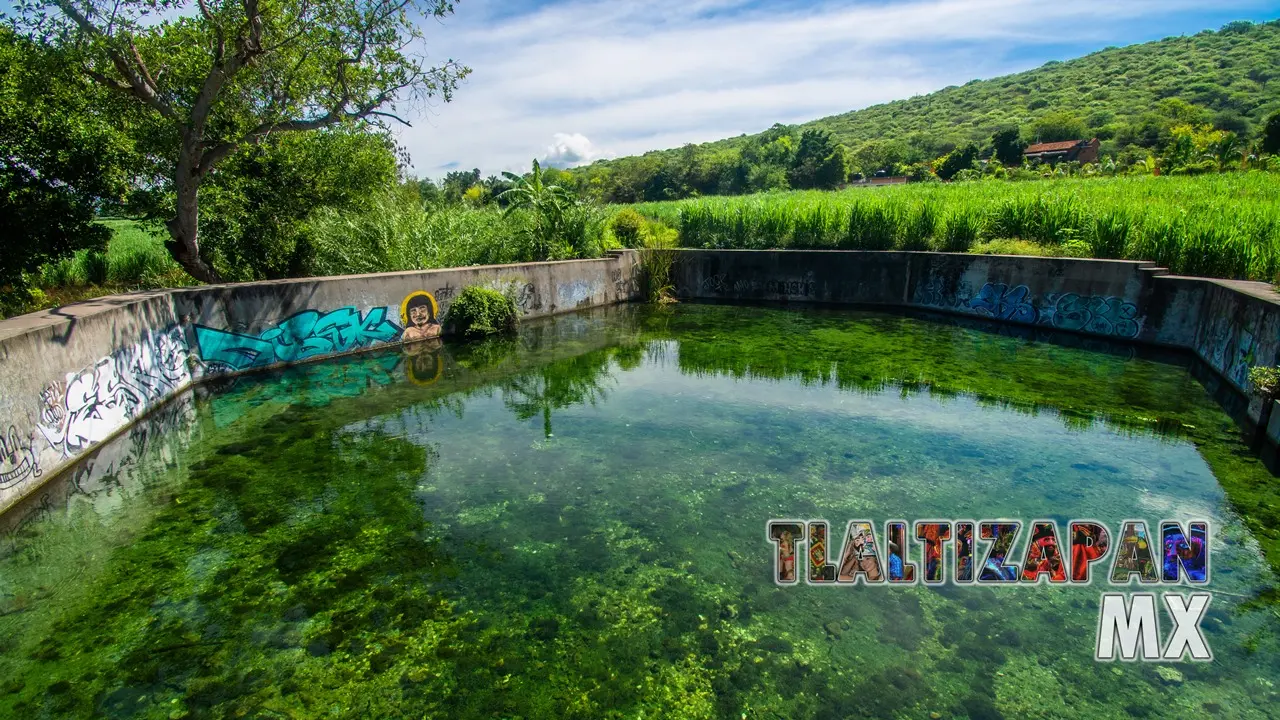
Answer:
(1081, 151)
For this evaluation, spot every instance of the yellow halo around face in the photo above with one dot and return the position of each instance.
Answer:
(404, 306)
(414, 378)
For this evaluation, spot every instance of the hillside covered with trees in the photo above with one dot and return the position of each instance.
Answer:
(118, 172)
(1130, 98)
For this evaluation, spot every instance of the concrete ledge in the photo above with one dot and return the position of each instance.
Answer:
(102, 475)
(75, 376)
(1232, 325)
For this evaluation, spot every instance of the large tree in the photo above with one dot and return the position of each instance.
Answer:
(214, 76)
(818, 161)
(1006, 146)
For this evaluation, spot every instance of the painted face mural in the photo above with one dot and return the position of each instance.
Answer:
(418, 312)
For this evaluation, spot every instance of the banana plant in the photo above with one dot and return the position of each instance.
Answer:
(1224, 149)
(546, 205)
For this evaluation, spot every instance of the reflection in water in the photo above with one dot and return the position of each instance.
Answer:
(397, 535)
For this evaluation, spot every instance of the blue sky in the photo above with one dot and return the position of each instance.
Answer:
(569, 81)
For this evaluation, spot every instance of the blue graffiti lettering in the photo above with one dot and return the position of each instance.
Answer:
(304, 335)
(1004, 302)
(1096, 314)
(1244, 358)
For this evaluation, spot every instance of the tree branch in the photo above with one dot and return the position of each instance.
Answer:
(248, 48)
(393, 116)
(219, 151)
(135, 84)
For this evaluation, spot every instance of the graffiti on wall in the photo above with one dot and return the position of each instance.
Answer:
(524, 293)
(94, 403)
(717, 283)
(1095, 314)
(301, 336)
(419, 312)
(527, 298)
(578, 292)
(120, 467)
(18, 459)
(1243, 357)
(1234, 340)
(624, 285)
(1006, 303)
(448, 292)
(721, 283)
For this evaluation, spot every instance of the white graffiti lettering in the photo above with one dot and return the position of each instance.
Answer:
(99, 400)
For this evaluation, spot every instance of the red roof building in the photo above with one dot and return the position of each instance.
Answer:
(1081, 151)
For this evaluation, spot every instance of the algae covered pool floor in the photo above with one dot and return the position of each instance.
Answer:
(571, 524)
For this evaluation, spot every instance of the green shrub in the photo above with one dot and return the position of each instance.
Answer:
(1221, 224)
(1009, 246)
(481, 310)
(582, 231)
(919, 228)
(657, 258)
(63, 272)
(627, 226)
(1111, 234)
(815, 228)
(139, 267)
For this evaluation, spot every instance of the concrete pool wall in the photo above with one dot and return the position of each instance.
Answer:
(1232, 325)
(75, 376)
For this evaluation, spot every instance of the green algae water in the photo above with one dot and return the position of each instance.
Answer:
(571, 524)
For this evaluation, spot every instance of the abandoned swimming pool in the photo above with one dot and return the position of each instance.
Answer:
(571, 524)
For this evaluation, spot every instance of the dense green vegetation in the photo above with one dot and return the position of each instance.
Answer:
(309, 545)
(1217, 225)
(1130, 98)
(59, 157)
(191, 89)
(483, 311)
(338, 200)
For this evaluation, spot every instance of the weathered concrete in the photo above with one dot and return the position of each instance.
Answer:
(395, 378)
(1095, 296)
(1232, 325)
(75, 376)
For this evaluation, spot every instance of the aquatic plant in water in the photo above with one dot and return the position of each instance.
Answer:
(437, 551)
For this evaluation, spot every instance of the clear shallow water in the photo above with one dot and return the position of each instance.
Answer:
(572, 525)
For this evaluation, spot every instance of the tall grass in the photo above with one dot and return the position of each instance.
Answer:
(135, 258)
(396, 233)
(658, 254)
(1224, 225)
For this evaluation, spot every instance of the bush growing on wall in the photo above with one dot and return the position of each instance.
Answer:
(482, 311)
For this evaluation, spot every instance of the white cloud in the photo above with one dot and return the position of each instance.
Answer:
(568, 150)
(635, 76)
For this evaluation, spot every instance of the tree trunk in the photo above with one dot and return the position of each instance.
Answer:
(184, 226)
